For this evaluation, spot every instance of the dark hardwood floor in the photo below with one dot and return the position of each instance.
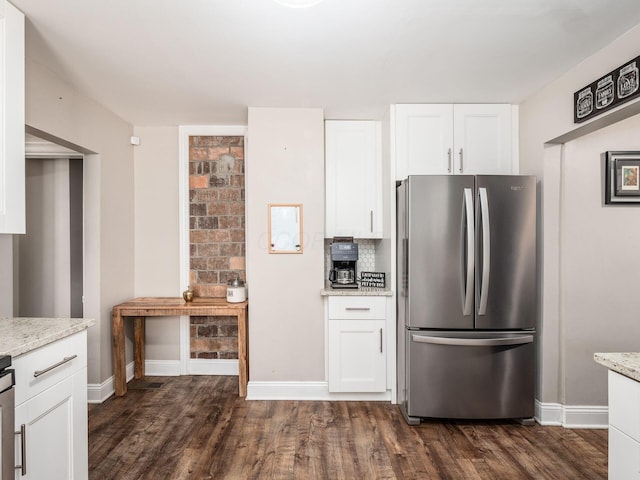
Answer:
(197, 428)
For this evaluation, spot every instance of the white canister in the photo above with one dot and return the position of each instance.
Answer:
(236, 291)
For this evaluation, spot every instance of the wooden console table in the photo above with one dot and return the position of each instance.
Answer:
(141, 308)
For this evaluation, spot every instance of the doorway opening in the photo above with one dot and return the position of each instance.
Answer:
(48, 259)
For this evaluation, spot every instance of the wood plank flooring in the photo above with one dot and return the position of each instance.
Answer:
(196, 427)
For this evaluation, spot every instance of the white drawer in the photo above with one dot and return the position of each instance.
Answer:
(37, 361)
(624, 404)
(357, 307)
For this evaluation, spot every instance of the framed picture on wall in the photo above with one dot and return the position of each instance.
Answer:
(622, 178)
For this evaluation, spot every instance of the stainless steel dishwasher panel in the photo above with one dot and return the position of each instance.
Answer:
(472, 375)
(7, 435)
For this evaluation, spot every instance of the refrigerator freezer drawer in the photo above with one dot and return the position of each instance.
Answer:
(473, 375)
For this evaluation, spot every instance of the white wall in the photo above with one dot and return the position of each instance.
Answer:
(600, 270)
(157, 233)
(567, 336)
(285, 164)
(44, 251)
(60, 111)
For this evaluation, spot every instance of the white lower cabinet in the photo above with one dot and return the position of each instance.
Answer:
(624, 456)
(624, 428)
(52, 413)
(357, 344)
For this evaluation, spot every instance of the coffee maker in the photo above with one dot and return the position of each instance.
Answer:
(344, 255)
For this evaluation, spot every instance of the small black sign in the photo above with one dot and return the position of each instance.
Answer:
(613, 89)
(372, 279)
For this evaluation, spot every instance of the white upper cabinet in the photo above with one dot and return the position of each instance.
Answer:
(453, 139)
(424, 140)
(12, 179)
(353, 185)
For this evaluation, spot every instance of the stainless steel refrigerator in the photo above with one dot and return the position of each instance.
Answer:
(466, 262)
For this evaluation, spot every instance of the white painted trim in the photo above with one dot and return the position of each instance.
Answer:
(99, 392)
(572, 416)
(307, 391)
(515, 139)
(184, 132)
(586, 416)
(185, 344)
(550, 414)
(214, 366)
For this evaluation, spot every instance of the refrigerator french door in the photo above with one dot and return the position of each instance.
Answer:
(466, 296)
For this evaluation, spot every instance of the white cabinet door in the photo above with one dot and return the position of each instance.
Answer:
(453, 139)
(482, 139)
(353, 179)
(624, 427)
(624, 456)
(12, 177)
(424, 140)
(357, 360)
(624, 404)
(55, 426)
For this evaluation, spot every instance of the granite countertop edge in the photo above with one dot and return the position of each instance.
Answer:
(624, 363)
(21, 335)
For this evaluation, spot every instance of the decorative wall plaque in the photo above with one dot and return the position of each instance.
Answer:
(609, 91)
(372, 280)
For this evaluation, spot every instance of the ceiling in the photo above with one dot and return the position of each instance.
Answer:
(171, 62)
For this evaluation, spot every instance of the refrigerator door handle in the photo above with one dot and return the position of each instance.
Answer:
(486, 251)
(473, 342)
(468, 288)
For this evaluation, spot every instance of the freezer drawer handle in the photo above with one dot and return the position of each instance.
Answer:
(473, 342)
(359, 309)
(37, 373)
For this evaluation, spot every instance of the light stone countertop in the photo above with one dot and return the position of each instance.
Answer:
(21, 335)
(627, 363)
(349, 292)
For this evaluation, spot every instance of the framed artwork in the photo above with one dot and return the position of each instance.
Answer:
(622, 178)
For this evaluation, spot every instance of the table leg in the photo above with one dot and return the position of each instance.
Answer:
(138, 346)
(119, 374)
(243, 367)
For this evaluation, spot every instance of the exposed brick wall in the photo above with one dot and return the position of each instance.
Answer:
(214, 337)
(216, 227)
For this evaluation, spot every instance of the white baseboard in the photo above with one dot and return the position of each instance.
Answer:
(162, 368)
(306, 391)
(99, 392)
(201, 366)
(572, 416)
(547, 414)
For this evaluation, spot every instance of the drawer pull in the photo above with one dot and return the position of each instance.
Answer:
(37, 373)
(358, 309)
